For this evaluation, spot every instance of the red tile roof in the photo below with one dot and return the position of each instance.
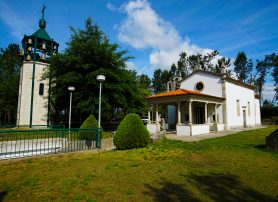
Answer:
(178, 93)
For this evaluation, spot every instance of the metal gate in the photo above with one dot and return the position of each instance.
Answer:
(16, 143)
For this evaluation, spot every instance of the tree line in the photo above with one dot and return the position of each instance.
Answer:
(90, 53)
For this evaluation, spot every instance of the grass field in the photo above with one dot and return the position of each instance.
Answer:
(231, 168)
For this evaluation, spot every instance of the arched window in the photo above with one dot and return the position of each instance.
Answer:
(41, 89)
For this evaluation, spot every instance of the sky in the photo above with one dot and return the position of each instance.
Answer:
(155, 31)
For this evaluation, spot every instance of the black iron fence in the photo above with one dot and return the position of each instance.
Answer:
(16, 143)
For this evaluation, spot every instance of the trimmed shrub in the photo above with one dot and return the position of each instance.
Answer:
(131, 133)
(90, 122)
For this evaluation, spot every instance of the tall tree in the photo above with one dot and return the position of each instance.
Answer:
(243, 67)
(263, 67)
(207, 61)
(195, 62)
(156, 81)
(259, 76)
(90, 53)
(9, 83)
(160, 79)
(173, 70)
(275, 75)
(183, 65)
(144, 81)
(165, 77)
(222, 63)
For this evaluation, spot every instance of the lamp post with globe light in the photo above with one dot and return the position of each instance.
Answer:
(100, 78)
(71, 89)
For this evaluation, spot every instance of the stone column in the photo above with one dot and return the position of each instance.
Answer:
(190, 112)
(149, 116)
(206, 113)
(218, 119)
(215, 111)
(179, 113)
(156, 119)
(156, 114)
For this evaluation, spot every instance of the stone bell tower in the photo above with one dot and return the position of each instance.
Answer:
(34, 90)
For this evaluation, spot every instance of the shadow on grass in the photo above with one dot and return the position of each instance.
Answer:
(260, 147)
(170, 192)
(2, 195)
(216, 187)
(263, 148)
(225, 187)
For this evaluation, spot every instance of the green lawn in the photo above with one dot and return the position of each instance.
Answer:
(231, 168)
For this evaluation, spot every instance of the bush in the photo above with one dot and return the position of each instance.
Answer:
(90, 122)
(131, 133)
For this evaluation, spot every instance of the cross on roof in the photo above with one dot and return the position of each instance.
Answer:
(43, 11)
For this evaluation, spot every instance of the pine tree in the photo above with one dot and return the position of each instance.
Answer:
(243, 67)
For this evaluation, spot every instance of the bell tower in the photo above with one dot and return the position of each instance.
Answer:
(34, 90)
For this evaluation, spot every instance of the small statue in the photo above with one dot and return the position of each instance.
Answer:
(162, 124)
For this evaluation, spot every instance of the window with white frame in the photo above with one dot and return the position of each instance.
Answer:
(238, 107)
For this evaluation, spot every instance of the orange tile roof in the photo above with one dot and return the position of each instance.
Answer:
(178, 93)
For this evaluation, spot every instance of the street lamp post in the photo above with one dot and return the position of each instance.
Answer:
(100, 78)
(71, 89)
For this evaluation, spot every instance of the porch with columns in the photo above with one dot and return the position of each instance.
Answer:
(194, 115)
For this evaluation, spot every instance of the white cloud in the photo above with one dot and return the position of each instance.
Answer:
(19, 25)
(144, 28)
(111, 7)
(140, 70)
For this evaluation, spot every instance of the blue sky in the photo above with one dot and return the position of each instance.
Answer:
(155, 31)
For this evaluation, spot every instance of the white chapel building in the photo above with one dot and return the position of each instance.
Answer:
(204, 102)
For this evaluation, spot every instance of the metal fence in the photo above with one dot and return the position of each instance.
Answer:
(16, 143)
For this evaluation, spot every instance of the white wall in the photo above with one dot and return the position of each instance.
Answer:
(219, 113)
(39, 102)
(152, 128)
(212, 84)
(244, 95)
(258, 112)
(220, 127)
(183, 130)
(199, 129)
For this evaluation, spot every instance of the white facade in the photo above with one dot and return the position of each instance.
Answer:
(207, 101)
(213, 84)
(40, 102)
